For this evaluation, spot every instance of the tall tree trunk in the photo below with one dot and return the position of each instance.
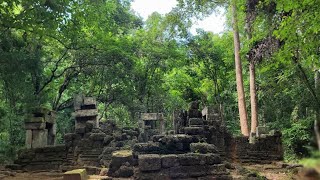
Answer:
(253, 97)
(317, 120)
(250, 17)
(240, 90)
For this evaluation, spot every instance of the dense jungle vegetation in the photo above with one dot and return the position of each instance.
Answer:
(51, 50)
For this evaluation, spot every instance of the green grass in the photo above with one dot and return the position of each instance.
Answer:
(313, 161)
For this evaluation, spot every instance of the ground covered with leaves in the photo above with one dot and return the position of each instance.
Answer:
(274, 171)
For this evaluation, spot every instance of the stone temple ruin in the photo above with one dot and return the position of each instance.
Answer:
(199, 147)
(40, 128)
(150, 124)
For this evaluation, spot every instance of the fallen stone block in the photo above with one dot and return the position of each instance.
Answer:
(124, 171)
(203, 148)
(77, 174)
(119, 158)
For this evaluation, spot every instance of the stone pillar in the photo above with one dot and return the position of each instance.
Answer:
(85, 114)
(40, 128)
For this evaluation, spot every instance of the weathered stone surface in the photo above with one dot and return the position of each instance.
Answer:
(188, 171)
(124, 171)
(35, 120)
(265, 150)
(89, 101)
(194, 105)
(189, 159)
(39, 138)
(107, 139)
(80, 130)
(35, 125)
(203, 148)
(217, 169)
(147, 147)
(151, 116)
(97, 136)
(193, 130)
(169, 160)
(85, 113)
(261, 130)
(77, 101)
(148, 175)
(78, 174)
(149, 162)
(89, 126)
(50, 117)
(211, 159)
(194, 113)
(119, 158)
(28, 143)
(195, 121)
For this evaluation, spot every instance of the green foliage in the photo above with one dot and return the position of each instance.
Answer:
(51, 50)
(297, 139)
(313, 161)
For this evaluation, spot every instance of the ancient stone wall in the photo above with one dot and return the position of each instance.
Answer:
(181, 166)
(197, 151)
(50, 157)
(265, 150)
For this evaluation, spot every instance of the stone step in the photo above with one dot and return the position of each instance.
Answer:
(193, 130)
(196, 122)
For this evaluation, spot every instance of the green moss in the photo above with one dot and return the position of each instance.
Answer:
(81, 172)
(35, 119)
(122, 153)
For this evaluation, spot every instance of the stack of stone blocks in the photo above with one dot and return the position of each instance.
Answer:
(150, 124)
(40, 128)
(85, 111)
(181, 156)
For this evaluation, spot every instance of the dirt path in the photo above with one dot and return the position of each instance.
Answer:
(238, 172)
(279, 171)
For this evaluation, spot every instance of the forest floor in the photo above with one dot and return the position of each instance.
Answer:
(278, 171)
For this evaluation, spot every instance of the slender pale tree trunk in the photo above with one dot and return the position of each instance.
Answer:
(253, 97)
(317, 120)
(253, 92)
(240, 90)
(250, 17)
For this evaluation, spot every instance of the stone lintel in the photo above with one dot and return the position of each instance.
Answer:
(151, 116)
(35, 125)
(85, 113)
(31, 119)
